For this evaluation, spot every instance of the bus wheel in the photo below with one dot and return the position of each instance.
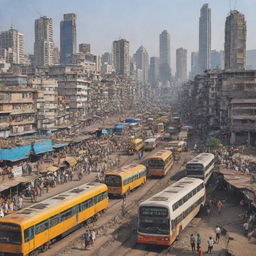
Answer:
(45, 247)
(34, 253)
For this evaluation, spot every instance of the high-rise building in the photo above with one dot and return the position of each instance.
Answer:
(43, 46)
(235, 41)
(121, 59)
(56, 55)
(217, 59)
(251, 59)
(67, 38)
(154, 71)
(204, 38)
(13, 42)
(106, 58)
(194, 65)
(165, 56)
(85, 48)
(142, 62)
(181, 65)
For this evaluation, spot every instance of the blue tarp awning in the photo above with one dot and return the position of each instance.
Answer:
(23, 152)
(43, 146)
(15, 154)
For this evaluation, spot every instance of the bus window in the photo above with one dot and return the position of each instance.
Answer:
(10, 233)
(113, 181)
(156, 163)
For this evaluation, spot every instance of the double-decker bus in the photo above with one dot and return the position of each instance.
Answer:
(129, 177)
(32, 229)
(163, 216)
(201, 166)
(160, 163)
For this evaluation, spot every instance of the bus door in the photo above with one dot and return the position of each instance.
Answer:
(29, 238)
(75, 212)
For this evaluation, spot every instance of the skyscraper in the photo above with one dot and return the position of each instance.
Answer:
(44, 46)
(217, 59)
(121, 58)
(181, 65)
(142, 62)
(68, 43)
(204, 38)
(194, 65)
(235, 41)
(165, 56)
(154, 71)
(13, 41)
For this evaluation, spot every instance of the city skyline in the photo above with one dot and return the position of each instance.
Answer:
(138, 31)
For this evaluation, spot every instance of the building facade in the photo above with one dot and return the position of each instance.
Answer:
(121, 59)
(44, 46)
(12, 46)
(142, 63)
(68, 43)
(154, 71)
(17, 111)
(235, 41)
(181, 65)
(165, 56)
(204, 38)
(85, 48)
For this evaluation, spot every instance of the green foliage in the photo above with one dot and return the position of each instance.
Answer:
(213, 143)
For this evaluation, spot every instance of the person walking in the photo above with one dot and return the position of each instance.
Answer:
(86, 238)
(198, 242)
(92, 237)
(193, 243)
(217, 232)
(210, 245)
(246, 228)
(219, 206)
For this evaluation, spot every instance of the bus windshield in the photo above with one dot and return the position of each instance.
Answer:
(151, 225)
(10, 233)
(156, 163)
(113, 180)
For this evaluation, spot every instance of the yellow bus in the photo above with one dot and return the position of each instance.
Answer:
(32, 229)
(160, 163)
(135, 145)
(129, 177)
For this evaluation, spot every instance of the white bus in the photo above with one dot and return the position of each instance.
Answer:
(150, 144)
(201, 166)
(163, 216)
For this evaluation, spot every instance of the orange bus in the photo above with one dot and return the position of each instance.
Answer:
(160, 163)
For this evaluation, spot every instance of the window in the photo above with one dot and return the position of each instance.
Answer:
(65, 215)
(41, 227)
(29, 234)
(54, 221)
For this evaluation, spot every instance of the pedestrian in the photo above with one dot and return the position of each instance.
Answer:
(20, 201)
(1, 212)
(198, 242)
(123, 205)
(210, 245)
(200, 251)
(217, 232)
(219, 206)
(246, 228)
(92, 237)
(193, 242)
(86, 238)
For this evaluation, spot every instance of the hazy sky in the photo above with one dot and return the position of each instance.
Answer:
(99, 22)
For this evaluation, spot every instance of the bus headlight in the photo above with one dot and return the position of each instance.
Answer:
(165, 239)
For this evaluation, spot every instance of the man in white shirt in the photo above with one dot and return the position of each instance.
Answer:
(210, 245)
(217, 232)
